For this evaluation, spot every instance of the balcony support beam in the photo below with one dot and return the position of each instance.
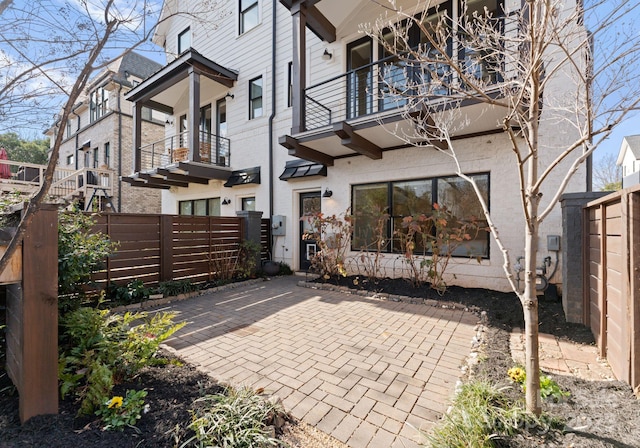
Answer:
(137, 136)
(299, 16)
(356, 142)
(194, 115)
(304, 152)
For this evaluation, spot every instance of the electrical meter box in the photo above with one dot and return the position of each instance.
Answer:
(277, 225)
(553, 242)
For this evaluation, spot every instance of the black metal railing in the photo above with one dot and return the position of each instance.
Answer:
(383, 85)
(213, 150)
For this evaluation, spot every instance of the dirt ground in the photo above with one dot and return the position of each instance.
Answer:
(597, 414)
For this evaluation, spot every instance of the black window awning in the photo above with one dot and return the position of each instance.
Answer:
(244, 177)
(296, 169)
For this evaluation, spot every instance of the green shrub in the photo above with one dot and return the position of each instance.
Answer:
(118, 412)
(134, 292)
(175, 287)
(100, 349)
(285, 269)
(236, 418)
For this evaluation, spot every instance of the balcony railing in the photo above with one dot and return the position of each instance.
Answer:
(214, 150)
(383, 85)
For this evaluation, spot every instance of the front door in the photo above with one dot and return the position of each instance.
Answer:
(309, 206)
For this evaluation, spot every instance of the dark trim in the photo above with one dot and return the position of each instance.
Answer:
(304, 152)
(316, 21)
(244, 177)
(298, 169)
(356, 142)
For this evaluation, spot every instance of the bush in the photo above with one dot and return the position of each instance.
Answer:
(237, 418)
(134, 292)
(176, 287)
(100, 349)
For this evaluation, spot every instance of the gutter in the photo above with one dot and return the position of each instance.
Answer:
(119, 148)
(273, 102)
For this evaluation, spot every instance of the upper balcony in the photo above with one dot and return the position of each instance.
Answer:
(193, 154)
(170, 162)
(381, 96)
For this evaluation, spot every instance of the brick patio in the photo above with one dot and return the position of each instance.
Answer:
(366, 371)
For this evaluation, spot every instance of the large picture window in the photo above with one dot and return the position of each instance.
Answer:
(200, 207)
(379, 209)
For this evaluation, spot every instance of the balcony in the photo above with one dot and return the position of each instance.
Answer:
(362, 110)
(171, 163)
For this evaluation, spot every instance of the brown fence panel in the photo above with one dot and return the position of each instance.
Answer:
(613, 277)
(155, 248)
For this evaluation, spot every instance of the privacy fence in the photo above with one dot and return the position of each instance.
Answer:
(156, 248)
(612, 279)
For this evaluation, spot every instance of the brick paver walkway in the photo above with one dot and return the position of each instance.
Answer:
(368, 372)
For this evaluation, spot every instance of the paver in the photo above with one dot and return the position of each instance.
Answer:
(360, 369)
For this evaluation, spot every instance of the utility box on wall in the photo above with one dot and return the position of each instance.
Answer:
(278, 225)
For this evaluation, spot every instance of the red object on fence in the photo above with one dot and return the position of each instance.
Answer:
(5, 171)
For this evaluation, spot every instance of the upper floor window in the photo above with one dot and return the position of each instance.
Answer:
(249, 16)
(69, 131)
(107, 154)
(96, 156)
(70, 159)
(184, 40)
(255, 97)
(290, 84)
(99, 104)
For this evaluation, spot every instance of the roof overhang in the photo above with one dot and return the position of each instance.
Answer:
(299, 169)
(180, 174)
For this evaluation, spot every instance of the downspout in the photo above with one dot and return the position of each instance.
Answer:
(273, 101)
(119, 149)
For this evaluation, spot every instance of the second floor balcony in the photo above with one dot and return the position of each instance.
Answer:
(172, 162)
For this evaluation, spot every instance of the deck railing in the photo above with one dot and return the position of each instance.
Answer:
(214, 150)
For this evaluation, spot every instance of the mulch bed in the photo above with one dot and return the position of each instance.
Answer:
(599, 413)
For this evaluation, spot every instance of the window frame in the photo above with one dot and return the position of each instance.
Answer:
(107, 154)
(70, 159)
(181, 35)
(392, 218)
(243, 13)
(99, 104)
(252, 99)
(209, 206)
(244, 202)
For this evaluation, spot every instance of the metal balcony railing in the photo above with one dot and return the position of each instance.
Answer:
(383, 85)
(214, 150)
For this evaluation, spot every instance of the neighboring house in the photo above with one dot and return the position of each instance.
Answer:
(629, 160)
(234, 99)
(97, 136)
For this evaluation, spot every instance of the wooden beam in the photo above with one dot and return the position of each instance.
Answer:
(356, 142)
(158, 106)
(162, 181)
(174, 176)
(304, 152)
(320, 25)
(134, 182)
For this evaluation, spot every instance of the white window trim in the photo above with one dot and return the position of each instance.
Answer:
(238, 31)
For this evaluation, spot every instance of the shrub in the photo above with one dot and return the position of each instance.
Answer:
(134, 292)
(237, 418)
(100, 349)
(332, 235)
(118, 412)
(176, 287)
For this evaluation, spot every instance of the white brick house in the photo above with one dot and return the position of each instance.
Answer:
(258, 79)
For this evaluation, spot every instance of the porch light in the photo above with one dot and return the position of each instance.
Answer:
(327, 193)
(326, 55)
(229, 95)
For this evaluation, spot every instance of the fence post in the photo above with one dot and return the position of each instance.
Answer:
(32, 330)
(573, 257)
(166, 247)
(252, 229)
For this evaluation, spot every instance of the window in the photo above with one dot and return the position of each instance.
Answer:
(200, 207)
(290, 85)
(249, 15)
(95, 157)
(255, 98)
(107, 154)
(146, 114)
(70, 159)
(249, 204)
(395, 200)
(69, 131)
(184, 40)
(99, 104)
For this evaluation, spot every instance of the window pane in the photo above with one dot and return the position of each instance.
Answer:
(186, 208)
(458, 196)
(255, 98)
(214, 207)
(200, 207)
(184, 40)
(249, 15)
(370, 202)
(249, 204)
(410, 198)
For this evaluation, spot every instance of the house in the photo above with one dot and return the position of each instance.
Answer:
(96, 149)
(270, 108)
(629, 160)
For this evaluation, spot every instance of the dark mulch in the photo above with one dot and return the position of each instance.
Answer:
(601, 413)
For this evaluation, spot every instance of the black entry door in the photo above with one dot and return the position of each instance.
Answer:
(309, 206)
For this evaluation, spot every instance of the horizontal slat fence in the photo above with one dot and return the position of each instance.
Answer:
(156, 248)
(265, 239)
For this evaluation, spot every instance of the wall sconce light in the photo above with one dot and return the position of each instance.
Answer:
(169, 122)
(327, 193)
(226, 201)
(229, 95)
(326, 55)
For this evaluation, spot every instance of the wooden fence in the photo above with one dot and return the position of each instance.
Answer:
(156, 248)
(612, 280)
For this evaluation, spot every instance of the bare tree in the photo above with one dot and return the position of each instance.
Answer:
(48, 53)
(531, 68)
(607, 176)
